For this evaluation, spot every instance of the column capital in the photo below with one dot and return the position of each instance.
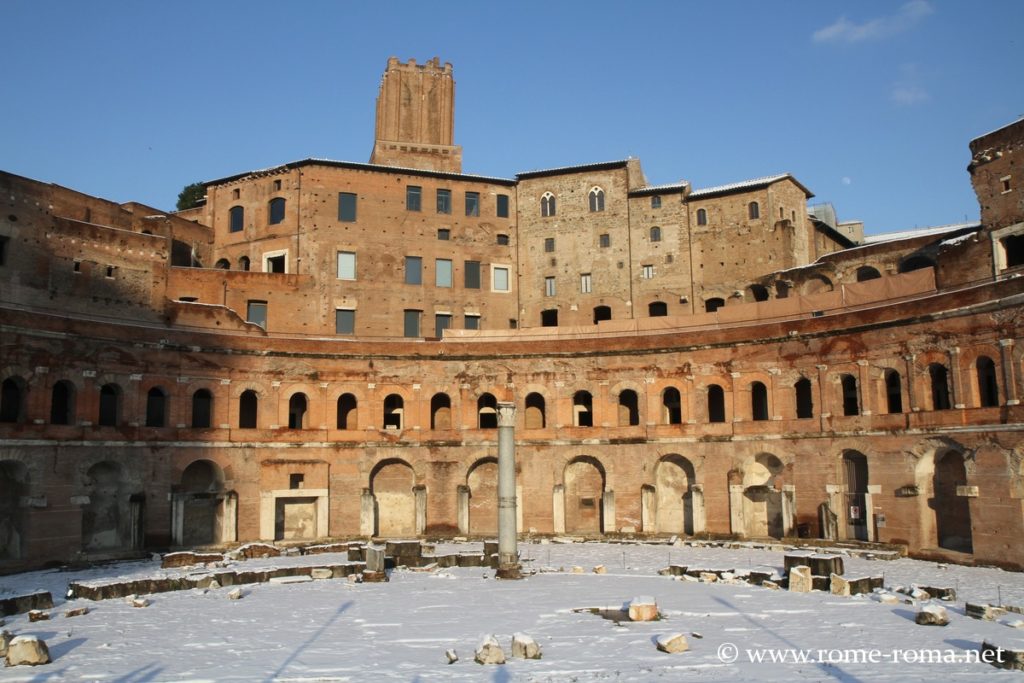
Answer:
(506, 414)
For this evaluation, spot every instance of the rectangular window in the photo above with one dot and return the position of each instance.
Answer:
(472, 274)
(442, 321)
(647, 272)
(346, 265)
(502, 206)
(346, 207)
(237, 214)
(655, 202)
(605, 240)
(1005, 183)
(413, 271)
(444, 201)
(256, 313)
(412, 197)
(586, 285)
(549, 244)
(499, 279)
(442, 272)
(472, 321)
(344, 321)
(549, 286)
(444, 234)
(472, 203)
(502, 239)
(412, 323)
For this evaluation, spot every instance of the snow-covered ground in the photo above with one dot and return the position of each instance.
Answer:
(333, 630)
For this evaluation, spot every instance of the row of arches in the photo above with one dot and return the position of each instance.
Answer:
(549, 207)
(938, 395)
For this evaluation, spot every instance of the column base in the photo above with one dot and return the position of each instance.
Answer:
(509, 572)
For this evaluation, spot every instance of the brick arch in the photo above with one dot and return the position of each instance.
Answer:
(392, 482)
(584, 480)
(482, 484)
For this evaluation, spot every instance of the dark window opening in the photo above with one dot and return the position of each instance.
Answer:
(222, 264)
(712, 305)
(346, 207)
(472, 203)
(156, 408)
(442, 321)
(758, 401)
(12, 401)
(276, 264)
(758, 292)
(501, 239)
(865, 273)
(851, 397)
(296, 480)
(549, 244)
(344, 321)
(547, 205)
(657, 309)
(535, 415)
(582, 409)
(597, 199)
(549, 318)
(110, 405)
(276, 210)
(672, 406)
(62, 403)
(394, 409)
(655, 234)
(440, 412)
(444, 234)
(413, 270)
(655, 202)
(472, 321)
(1014, 247)
(248, 405)
(804, 399)
(602, 313)
(702, 217)
(915, 263)
(411, 326)
(716, 403)
(939, 376)
(297, 406)
(893, 392)
(444, 201)
(472, 274)
(237, 218)
(244, 264)
(754, 210)
(347, 416)
(629, 408)
(413, 197)
(502, 206)
(202, 409)
(988, 387)
(604, 240)
(487, 412)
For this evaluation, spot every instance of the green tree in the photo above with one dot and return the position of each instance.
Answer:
(191, 196)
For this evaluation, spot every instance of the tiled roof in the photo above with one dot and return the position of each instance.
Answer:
(744, 185)
(599, 166)
(312, 161)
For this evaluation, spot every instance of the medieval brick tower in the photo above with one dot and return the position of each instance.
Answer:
(416, 117)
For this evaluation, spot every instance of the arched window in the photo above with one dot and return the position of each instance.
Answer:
(582, 409)
(248, 409)
(276, 210)
(602, 313)
(804, 399)
(671, 406)
(62, 403)
(549, 318)
(535, 417)
(297, 406)
(348, 417)
(716, 403)
(12, 400)
(202, 409)
(939, 378)
(713, 304)
(702, 217)
(110, 405)
(851, 397)
(893, 392)
(394, 411)
(758, 401)
(655, 234)
(629, 408)
(243, 263)
(753, 210)
(440, 411)
(988, 387)
(547, 205)
(657, 309)
(487, 412)
(222, 264)
(596, 199)
(237, 218)
(865, 273)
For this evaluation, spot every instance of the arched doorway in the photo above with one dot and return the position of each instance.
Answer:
(394, 500)
(855, 474)
(952, 511)
(674, 480)
(763, 512)
(202, 513)
(584, 493)
(482, 483)
(112, 519)
(13, 486)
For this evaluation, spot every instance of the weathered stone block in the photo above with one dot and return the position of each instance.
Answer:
(27, 651)
(673, 643)
(20, 604)
(525, 647)
(643, 608)
(488, 651)
(932, 615)
(800, 579)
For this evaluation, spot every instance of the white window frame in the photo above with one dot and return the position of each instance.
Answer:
(354, 264)
(495, 267)
(274, 254)
(586, 283)
(647, 271)
(550, 288)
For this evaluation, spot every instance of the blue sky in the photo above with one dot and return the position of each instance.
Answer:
(870, 104)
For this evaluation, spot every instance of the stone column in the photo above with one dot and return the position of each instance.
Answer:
(788, 509)
(697, 505)
(462, 494)
(1009, 376)
(912, 404)
(419, 494)
(558, 508)
(177, 519)
(508, 556)
(229, 530)
(367, 513)
(867, 389)
(648, 509)
(958, 396)
(736, 524)
(608, 512)
(869, 506)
